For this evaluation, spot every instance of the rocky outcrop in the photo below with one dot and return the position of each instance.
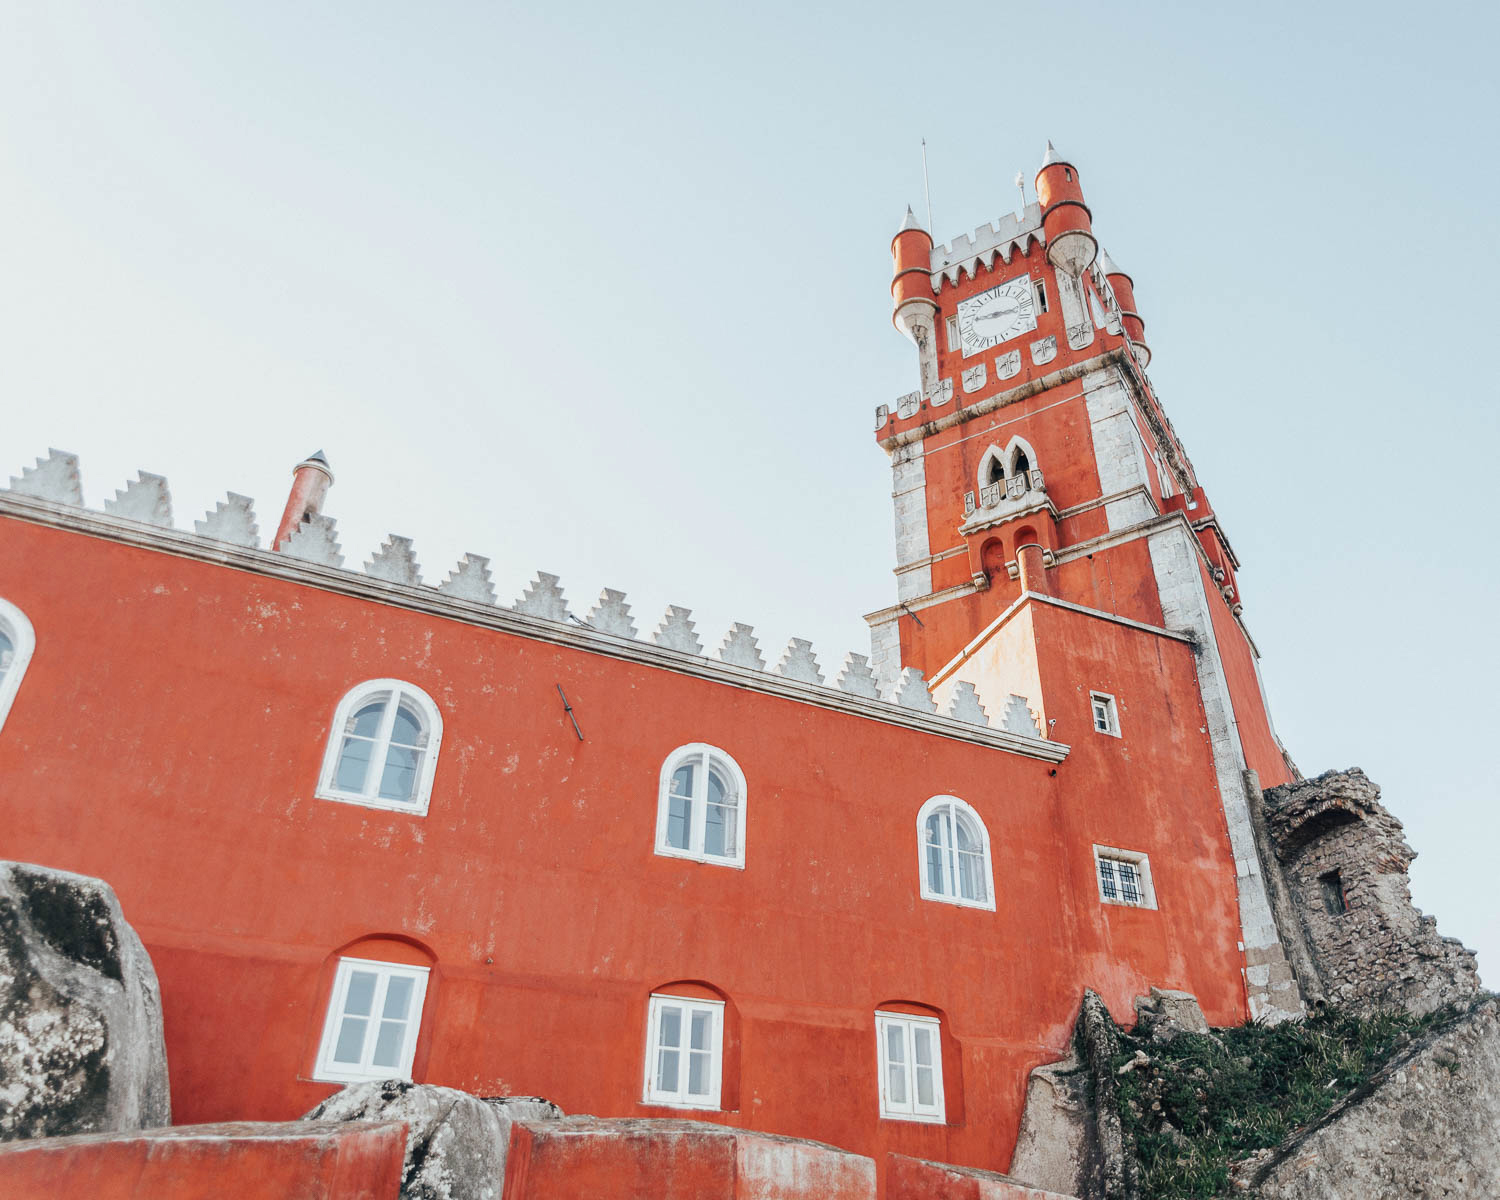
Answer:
(457, 1146)
(1425, 1125)
(1166, 1014)
(1344, 860)
(81, 1048)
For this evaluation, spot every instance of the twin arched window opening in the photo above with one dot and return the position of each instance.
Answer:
(701, 806)
(383, 748)
(1008, 473)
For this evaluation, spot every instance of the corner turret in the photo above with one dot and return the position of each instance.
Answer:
(914, 311)
(1124, 289)
(311, 479)
(1065, 217)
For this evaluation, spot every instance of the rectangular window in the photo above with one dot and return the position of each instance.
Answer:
(684, 1052)
(1106, 715)
(373, 1018)
(911, 1067)
(1332, 885)
(1124, 877)
(1039, 292)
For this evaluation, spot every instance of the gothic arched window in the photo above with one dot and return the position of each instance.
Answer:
(383, 748)
(954, 851)
(701, 806)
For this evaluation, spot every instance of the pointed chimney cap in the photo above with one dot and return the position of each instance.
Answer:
(1107, 264)
(318, 461)
(911, 222)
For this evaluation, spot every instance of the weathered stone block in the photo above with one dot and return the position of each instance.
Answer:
(81, 1048)
(457, 1146)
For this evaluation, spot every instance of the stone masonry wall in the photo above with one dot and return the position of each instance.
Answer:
(1339, 848)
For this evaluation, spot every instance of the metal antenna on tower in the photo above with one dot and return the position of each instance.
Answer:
(927, 191)
(1021, 186)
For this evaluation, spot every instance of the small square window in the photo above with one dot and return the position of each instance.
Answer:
(684, 1052)
(911, 1067)
(1124, 877)
(1106, 714)
(373, 1018)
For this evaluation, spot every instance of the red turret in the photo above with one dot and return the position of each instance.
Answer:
(914, 308)
(1065, 217)
(311, 479)
(1124, 289)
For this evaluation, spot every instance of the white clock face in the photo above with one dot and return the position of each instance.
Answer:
(996, 316)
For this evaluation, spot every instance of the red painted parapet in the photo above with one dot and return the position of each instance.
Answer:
(297, 1160)
(913, 1179)
(586, 1158)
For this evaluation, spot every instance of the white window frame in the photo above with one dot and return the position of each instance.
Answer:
(680, 1098)
(960, 807)
(911, 1109)
(951, 325)
(15, 623)
(1111, 711)
(695, 851)
(352, 701)
(1039, 295)
(336, 1072)
(1134, 858)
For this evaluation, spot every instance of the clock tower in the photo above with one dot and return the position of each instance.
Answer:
(1054, 547)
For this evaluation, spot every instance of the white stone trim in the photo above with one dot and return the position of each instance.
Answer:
(15, 623)
(707, 753)
(909, 498)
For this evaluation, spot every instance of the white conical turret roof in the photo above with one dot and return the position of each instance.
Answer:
(1107, 264)
(1051, 156)
(911, 222)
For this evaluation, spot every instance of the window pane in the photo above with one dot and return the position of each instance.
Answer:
(399, 779)
(397, 998)
(721, 834)
(921, 1037)
(671, 1026)
(7, 652)
(1107, 879)
(408, 727)
(719, 791)
(1129, 882)
(971, 881)
(698, 1074)
(703, 1024)
(666, 1071)
(925, 1092)
(682, 780)
(937, 871)
(366, 722)
(388, 1044)
(679, 822)
(351, 1042)
(354, 764)
(360, 997)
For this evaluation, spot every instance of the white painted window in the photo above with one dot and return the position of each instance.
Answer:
(701, 806)
(373, 1018)
(17, 641)
(1124, 877)
(684, 1052)
(384, 746)
(911, 1067)
(953, 854)
(1106, 713)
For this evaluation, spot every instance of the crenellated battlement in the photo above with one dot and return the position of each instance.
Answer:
(51, 491)
(1003, 238)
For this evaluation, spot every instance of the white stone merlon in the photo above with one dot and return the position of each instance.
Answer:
(144, 498)
(911, 692)
(1118, 454)
(1184, 603)
(315, 541)
(856, 678)
(909, 495)
(799, 662)
(543, 598)
(611, 614)
(231, 520)
(470, 580)
(395, 562)
(885, 653)
(1001, 239)
(53, 478)
(740, 648)
(676, 631)
(965, 706)
(1019, 718)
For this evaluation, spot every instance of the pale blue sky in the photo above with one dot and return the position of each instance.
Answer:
(602, 290)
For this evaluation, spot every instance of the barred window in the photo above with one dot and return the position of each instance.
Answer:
(1124, 877)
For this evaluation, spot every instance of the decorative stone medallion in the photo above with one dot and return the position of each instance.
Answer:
(1045, 350)
(1007, 366)
(908, 405)
(974, 377)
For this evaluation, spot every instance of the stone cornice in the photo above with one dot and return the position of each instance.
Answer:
(417, 598)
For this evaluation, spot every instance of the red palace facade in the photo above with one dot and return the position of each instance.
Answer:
(369, 827)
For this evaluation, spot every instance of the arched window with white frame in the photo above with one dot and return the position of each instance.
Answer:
(384, 746)
(701, 806)
(17, 641)
(953, 849)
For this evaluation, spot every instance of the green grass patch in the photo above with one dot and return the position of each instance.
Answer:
(1204, 1102)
